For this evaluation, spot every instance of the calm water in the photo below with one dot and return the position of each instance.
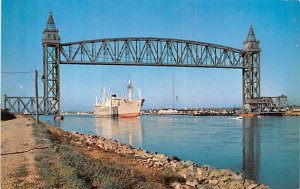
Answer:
(266, 149)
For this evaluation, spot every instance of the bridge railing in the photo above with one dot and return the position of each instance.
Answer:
(269, 104)
(24, 105)
(151, 52)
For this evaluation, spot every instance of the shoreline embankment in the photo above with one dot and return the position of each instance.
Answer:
(61, 159)
(194, 176)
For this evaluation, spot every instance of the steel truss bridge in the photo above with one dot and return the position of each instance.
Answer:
(146, 51)
(150, 52)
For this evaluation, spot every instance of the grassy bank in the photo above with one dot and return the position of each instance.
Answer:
(63, 165)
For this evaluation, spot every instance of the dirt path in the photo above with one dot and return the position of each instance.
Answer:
(18, 169)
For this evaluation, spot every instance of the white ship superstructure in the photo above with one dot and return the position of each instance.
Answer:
(115, 106)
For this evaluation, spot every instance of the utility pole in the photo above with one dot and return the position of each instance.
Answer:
(173, 92)
(36, 98)
(5, 102)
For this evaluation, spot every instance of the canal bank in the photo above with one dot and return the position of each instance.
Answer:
(260, 147)
(187, 173)
(81, 160)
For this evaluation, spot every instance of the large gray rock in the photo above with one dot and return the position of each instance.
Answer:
(175, 184)
(193, 183)
(251, 186)
(213, 182)
(173, 158)
(184, 164)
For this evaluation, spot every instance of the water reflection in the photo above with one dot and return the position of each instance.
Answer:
(57, 123)
(251, 147)
(127, 130)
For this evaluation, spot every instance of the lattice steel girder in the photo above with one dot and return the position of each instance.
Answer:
(251, 78)
(268, 104)
(23, 105)
(151, 52)
(51, 78)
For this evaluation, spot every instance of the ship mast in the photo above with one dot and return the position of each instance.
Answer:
(129, 90)
(103, 95)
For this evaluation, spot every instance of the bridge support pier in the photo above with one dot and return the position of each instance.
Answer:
(51, 62)
(251, 74)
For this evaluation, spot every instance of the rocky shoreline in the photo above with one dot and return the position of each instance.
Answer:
(195, 176)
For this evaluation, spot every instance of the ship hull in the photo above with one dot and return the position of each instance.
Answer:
(121, 108)
(130, 109)
(130, 115)
(102, 111)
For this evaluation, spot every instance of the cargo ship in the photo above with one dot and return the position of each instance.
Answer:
(115, 106)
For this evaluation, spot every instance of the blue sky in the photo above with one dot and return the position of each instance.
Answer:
(276, 25)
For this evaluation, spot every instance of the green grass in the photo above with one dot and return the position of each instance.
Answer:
(61, 166)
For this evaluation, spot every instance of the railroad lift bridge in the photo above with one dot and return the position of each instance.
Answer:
(146, 51)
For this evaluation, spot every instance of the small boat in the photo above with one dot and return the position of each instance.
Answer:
(115, 106)
(239, 117)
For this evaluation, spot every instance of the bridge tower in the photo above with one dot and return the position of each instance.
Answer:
(251, 74)
(51, 62)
